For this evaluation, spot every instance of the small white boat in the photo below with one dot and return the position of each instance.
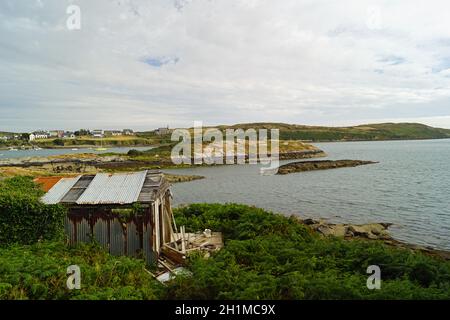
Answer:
(74, 149)
(13, 149)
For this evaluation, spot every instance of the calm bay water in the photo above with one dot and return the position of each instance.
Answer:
(409, 188)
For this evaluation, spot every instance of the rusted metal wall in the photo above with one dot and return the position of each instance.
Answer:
(131, 237)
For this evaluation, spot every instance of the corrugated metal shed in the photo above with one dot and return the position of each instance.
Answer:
(98, 206)
(59, 190)
(113, 188)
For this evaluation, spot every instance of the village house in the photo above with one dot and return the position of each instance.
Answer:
(31, 137)
(56, 133)
(113, 133)
(98, 133)
(127, 132)
(68, 135)
(162, 131)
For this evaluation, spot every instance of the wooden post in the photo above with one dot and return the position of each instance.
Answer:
(183, 244)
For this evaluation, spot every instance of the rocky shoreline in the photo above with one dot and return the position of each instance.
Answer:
(302, 166)
(178, 178)
(65, 163)
(368, 231)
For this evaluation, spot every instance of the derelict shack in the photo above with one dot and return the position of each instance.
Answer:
(126, 213)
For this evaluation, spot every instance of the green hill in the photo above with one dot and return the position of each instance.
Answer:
(380, 131)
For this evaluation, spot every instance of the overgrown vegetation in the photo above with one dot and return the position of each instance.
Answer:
(86, 141)
(39, 272)
(266, 256)
(34, 255)
(24, 218)
(269, 256)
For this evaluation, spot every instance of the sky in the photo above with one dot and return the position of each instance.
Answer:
(152, 63)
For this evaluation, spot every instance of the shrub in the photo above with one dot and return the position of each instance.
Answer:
(24, 218)
(269, 256)
(58, 142)
(38, 271)
(134, 153)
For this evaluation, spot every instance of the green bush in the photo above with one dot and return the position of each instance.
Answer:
(24, 218)
(268, 256)
(38, 271)
(58, 142)
(134, 152)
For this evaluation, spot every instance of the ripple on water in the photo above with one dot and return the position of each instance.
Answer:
(409, 187)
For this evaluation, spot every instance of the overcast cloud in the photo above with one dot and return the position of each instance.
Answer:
(145, 64)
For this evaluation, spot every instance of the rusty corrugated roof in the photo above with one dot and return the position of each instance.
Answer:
(104, 188)
(47, 182)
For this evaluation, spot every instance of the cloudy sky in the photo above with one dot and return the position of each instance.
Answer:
(145, 64)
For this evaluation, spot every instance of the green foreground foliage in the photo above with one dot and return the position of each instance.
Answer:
(38, 271)
(34, 258)
(24, 218)
(266, 256)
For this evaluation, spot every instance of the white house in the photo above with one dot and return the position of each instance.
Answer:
(68, 135)
(112, 133)
(31, 137)
(97, 133)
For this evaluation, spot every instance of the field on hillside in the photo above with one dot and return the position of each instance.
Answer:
(382, 131)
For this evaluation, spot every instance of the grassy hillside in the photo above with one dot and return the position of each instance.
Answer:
(381, 131)
(116, 141)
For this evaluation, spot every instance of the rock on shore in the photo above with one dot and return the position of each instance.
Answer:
(373, 231)
(368, 231)
(320, 165)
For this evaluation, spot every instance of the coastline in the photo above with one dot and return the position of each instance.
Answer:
(116, 162)
(86, 146)
(380, 140)
(368, 232)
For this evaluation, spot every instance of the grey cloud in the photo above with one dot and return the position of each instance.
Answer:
(143, 64)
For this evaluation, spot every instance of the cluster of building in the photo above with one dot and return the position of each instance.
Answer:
(62, 134)
(51, 134)
(98, 133)
(9, 137)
